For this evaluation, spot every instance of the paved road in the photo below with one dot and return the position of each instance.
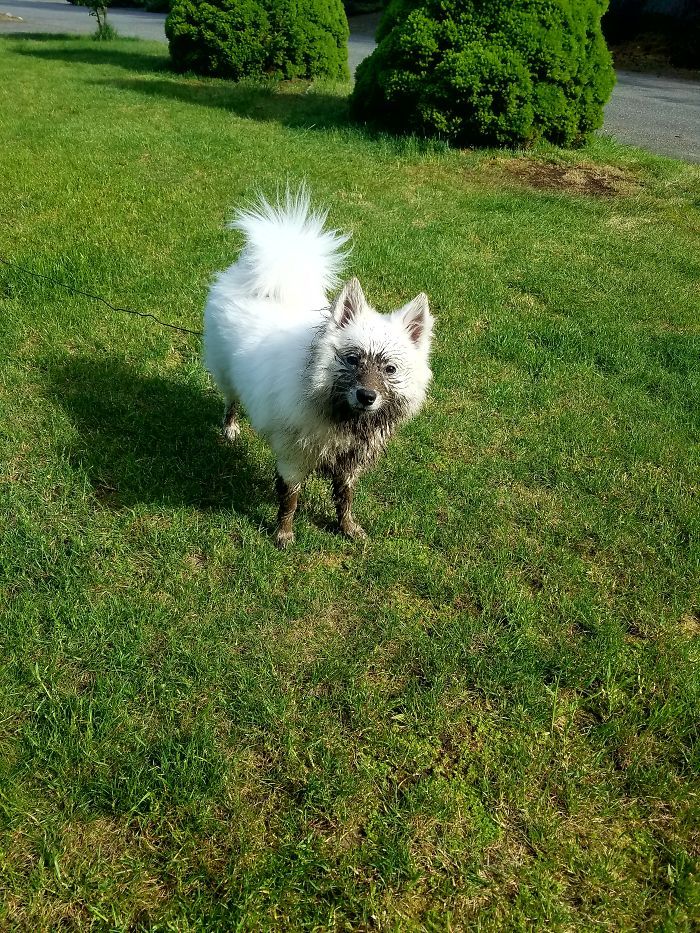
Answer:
(658, 113)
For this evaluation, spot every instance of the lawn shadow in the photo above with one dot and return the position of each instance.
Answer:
(152, 439)
(286, 102)
(53, 48)
(292, 104)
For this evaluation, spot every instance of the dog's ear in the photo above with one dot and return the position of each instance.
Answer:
(349, 303)
(417, 320)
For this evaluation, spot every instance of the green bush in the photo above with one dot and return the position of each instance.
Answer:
(488, 72)
(259, 38)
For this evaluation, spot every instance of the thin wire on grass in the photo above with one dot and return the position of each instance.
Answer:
(79, 291)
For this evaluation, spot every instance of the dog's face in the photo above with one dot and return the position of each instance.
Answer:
(374, 366)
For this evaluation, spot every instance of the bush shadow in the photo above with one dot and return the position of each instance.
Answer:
(53, 48)
(289, 104)
(151, 439)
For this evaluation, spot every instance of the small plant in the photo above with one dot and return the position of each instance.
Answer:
(98, 8)
(105, 32)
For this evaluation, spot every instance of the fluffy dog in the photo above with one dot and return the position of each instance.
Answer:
(325, 383)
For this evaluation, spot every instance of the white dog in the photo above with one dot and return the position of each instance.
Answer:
(325, 384)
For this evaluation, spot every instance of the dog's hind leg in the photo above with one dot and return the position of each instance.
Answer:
(231, 427)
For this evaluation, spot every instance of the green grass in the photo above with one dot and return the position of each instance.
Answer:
(484, 717)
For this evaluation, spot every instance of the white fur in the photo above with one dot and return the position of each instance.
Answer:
(271, 307)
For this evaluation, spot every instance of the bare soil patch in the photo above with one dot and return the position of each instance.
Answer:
(584, 178)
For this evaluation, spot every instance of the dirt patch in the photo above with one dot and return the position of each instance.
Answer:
(585, 178)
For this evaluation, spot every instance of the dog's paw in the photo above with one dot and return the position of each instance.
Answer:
(230, 431)
(353, 531)
(283, 539)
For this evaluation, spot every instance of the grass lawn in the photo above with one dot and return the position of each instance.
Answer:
(484, 717)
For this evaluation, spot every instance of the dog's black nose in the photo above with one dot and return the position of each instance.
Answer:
(366, 396)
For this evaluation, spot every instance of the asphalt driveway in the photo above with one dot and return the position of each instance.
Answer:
(658, 113)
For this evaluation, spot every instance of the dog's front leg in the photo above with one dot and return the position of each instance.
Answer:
(342, 496)
(288, 495)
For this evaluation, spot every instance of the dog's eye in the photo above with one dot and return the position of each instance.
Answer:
(353, 359)
(390, 369)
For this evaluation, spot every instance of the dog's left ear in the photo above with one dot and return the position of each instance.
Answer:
(349, 303)
(417, 320)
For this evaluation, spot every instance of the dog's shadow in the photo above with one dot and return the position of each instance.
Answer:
(152, 439)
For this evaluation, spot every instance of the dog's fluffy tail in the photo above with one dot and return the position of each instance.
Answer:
(288, 254)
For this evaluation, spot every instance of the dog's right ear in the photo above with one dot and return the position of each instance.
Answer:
(349, 303)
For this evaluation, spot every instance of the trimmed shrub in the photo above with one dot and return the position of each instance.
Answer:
(259, 38)
(488, 72)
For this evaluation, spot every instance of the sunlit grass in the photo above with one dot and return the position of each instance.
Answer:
(484, 717)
